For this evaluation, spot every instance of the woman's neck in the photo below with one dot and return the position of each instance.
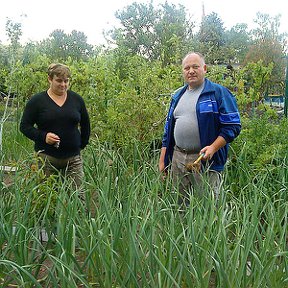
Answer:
(58, 99)
(52, 94)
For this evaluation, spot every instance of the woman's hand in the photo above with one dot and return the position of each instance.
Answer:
(52, 138)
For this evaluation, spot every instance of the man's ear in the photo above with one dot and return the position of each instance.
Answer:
(205, 68)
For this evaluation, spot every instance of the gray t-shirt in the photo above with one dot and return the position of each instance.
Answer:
(186, 132)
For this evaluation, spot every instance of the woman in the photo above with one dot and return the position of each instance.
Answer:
(58, 122)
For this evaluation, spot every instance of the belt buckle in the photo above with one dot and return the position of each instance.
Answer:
(183, 150)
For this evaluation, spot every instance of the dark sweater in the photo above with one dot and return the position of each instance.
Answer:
(70, 122)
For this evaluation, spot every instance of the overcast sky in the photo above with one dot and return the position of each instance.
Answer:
(92, 17)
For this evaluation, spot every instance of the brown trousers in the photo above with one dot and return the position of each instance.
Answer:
(193, 182)
(71, 167)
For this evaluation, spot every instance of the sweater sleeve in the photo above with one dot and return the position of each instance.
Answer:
(84, 126)
(28, 120)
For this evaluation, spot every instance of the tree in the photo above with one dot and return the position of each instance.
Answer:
(60, 46)
(269, 46)
(30, 53)
(156, 34)
(78, 48)
(237, 41)
(4, 64)
(14, 33)
(175, 33)
(137, 33)
(211, 37)
(255, 77)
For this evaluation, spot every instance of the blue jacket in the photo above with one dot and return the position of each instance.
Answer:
(217, 115)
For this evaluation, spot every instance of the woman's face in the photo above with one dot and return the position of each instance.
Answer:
(59, 85)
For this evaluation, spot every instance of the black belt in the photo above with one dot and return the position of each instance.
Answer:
(186, 151)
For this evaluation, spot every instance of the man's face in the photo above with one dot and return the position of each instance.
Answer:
(194, 70)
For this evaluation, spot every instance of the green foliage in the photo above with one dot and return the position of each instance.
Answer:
(241, 243)
(134, 234)
(14, 32)
(265, 141)
(255, 77)
(43, 192)
(237, 42)
(97, 81)
(174, 33)
(211, 38)
(131, 117)
(222, 75)
(31, 53)
(129, 109)
(137, 33)
(248, 83)
(155, 33)
(127, 89)
(127, 98)
(137, 112)
(269, 46)
(12, 140)
(24, 81)
(3, 77)
(60, 46)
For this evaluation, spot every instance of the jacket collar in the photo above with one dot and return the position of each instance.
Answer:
(208, 87)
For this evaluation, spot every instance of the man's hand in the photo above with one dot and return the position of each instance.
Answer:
(213, 148)
(161, 164)
(208, 151)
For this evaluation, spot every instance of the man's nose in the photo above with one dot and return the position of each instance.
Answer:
(191, 70)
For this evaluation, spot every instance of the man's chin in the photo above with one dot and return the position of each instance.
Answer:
(193, 82)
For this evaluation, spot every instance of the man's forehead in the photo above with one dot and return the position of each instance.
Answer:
(192, 58)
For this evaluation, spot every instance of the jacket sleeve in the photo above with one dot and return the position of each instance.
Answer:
(167, 126)
(229, 116)
(164, 138)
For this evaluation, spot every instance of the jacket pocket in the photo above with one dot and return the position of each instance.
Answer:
(208, 106)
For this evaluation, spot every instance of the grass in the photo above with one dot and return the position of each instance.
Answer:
(133, 234)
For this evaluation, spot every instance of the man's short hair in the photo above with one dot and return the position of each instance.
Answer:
(197, 53)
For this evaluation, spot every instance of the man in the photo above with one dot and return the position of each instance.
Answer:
(203, 119)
